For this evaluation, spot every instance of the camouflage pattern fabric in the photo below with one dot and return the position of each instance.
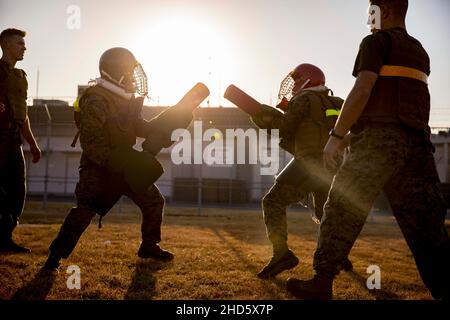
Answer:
(12, 180)
(94, 137)
(282, 195)
(275, 203)
(12, 162)
(401, 163)
(297, 110)
(286, 123)
(98, 189)
(97, 192)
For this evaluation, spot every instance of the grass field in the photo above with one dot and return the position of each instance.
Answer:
(217, 257)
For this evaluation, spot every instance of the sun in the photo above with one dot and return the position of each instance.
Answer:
(178, 51)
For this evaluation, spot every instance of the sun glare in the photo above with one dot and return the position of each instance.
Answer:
(179, 51)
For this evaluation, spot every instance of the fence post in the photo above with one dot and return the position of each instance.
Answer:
(47, 155)
(199, 192)
(230, 187)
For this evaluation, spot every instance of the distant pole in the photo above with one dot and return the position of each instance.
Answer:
(199, 194)
(209, 80)
(37, 84)
(47, 154)
(230, 186)
(220, 90)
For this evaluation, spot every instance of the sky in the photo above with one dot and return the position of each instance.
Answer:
(252, 44)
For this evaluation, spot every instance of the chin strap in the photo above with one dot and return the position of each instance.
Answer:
(305, 84)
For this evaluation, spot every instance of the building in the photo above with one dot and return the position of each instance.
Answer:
(57, 173)
(441, 142)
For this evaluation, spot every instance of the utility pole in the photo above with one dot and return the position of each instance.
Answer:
(209, 80)
(47, 154)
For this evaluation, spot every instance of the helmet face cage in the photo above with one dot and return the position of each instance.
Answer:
(286, 87)
(140, 80)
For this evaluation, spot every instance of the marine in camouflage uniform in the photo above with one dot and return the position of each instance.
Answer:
(303, 130)
(109, 124)
(391, 152)
(14, 123)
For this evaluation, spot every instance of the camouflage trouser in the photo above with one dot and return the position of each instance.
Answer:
(294, 185)
(12, 182)
(275, 203)
(97, 192)
(402, 165)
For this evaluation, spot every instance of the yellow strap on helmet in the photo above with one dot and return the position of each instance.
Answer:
(399, 71)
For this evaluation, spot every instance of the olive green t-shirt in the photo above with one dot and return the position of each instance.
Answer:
(373, 53)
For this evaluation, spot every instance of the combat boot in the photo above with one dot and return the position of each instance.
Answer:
(9, 245)
(318, 288)
(52, 263)
(154, 251)
(279, 263)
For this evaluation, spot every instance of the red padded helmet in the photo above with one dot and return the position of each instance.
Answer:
(308, 75)
(302, 77)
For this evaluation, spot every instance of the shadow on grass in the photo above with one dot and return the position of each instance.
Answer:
(251, 267)
(379, 294)
(143, 282)
(38, 288)
(251, 229)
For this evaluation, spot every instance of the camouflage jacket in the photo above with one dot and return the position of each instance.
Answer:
(103, 127)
